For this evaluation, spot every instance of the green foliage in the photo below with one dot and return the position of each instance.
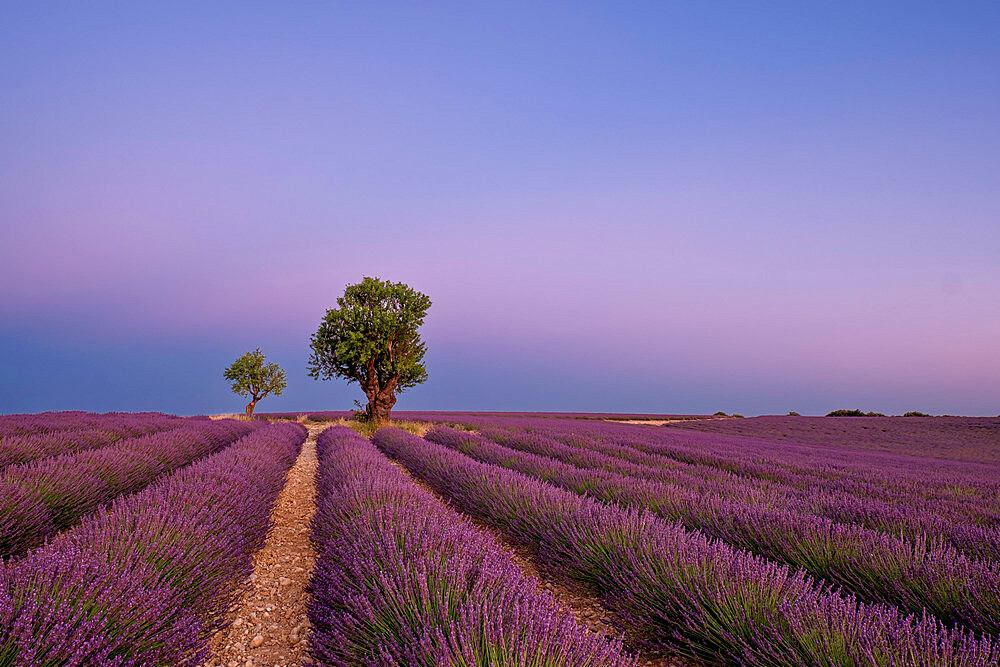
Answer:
(368, 428)
(371, 338)
(853, 413)
(252, 376)
(914, 413)
(720, 413)
(793, 413)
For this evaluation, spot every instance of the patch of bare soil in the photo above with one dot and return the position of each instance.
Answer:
(584, 606)
(662, 422)
(269, 626)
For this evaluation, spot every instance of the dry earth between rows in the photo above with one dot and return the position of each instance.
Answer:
(269, 625)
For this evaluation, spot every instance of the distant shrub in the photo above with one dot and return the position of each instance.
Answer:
(720, 413)
(793, 413)
(845, 413)
(853, 413)
(914, 413)
(738, 416)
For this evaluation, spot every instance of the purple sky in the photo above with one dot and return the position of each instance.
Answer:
(630, 208)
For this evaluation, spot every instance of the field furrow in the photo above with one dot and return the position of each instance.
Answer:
(269, 624)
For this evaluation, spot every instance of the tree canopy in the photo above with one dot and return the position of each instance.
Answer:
(252, 376)
(371, 338)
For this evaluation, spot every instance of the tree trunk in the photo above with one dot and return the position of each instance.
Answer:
(379, 408)
(250, 407)
(370, 406)
(378, 411)
(382, 413)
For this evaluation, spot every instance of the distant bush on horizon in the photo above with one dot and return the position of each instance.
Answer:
(853, 413)
(914, 413)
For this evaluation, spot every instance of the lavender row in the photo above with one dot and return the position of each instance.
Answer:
(16, 449)
(402, 579)
(960, 438)
(911, 493)
(148, 580)
(911, 574)
(798, 465)
(39, 499)
(915, 518)
(679, 589)
(780, 460)
(957, 502)
(51, 422)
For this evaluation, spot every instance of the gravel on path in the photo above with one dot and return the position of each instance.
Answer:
(269, 626)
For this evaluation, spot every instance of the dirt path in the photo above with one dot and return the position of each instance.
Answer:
(269, 625)
(663, 422)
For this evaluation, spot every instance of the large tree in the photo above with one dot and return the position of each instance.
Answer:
(252, 376)
(371, 338)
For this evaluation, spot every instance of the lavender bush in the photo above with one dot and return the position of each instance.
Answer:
(88, 432)
(953, 502)
(146, 581)
(902, 478)
(680, 590)
(403, 580)
(912, 574)
(956, 438)
(38, 499)
(51, 422)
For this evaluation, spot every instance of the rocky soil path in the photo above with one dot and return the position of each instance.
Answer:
(269, 624)
(269, 627)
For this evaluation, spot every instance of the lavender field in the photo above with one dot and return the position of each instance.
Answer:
(501, 539)
(625, 245)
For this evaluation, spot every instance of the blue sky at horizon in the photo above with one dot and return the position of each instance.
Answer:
(646, 207)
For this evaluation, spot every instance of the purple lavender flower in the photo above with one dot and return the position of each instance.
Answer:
(148, 579)
(679, 589)
(402, 579)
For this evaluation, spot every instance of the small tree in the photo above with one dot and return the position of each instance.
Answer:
(251, 376)
(371, 338)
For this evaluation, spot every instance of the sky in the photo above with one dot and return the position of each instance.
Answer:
(620, 206)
